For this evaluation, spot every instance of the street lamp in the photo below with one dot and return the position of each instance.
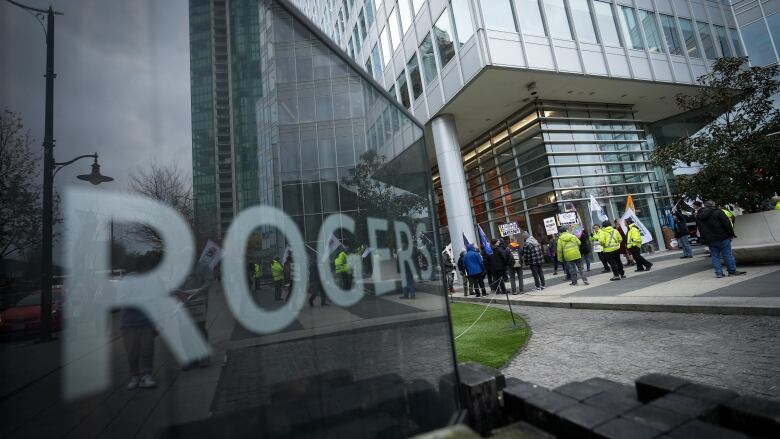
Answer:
(50, 168)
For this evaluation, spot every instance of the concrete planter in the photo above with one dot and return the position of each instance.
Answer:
(758, 237)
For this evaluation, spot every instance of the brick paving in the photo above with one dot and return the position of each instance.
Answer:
(738, 352)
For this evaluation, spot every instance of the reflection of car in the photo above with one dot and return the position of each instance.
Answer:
(25, 315)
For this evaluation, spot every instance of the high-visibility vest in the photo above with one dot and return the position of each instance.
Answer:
(634, 237)
(277, 271)
(341, 263)
(610, 239)
(568, 247)
(729, 215)
(258, 271)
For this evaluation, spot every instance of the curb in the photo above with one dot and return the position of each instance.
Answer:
(687, 309)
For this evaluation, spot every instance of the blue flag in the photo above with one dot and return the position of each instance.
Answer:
(466, 241)
(485, 242)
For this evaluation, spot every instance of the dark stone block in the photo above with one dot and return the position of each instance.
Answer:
(578, 391)
(695, 408)
(656, 385)
(704, 392)
(756, 416)
(474, 373)
(541, 407)
(613, 387)
(613, 403)
(620, 428)
(701, 430)
(480, 387)
(657, 418)
(578, 420)
(514, 396)
(520, 430)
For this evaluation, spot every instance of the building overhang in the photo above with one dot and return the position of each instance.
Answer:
(497, 92)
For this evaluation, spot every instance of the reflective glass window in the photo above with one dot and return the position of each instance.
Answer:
(376, 61)
(427, 59)
(417, 5)
(735, 42)
(362, 25)
(443, 34)
(723, 41)
(377, 3)
(686, 26)
(395, 29)
(413, 68)
(403, 90)
(671, 34)
(406, 14)
(650, 25)
(706, 40)
(530, 16)
(557, 20)
(350, 48)
(774, 26)
(498, 15)
(384, 41)
(583, 21)
(464, 26)
(758, 43)
(631, 28)
(369, 7)
(607, 24)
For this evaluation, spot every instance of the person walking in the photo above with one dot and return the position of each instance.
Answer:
(533, 259)
(138, 336)
(634, 246)
(569, 253)
(623, 249)
(342, 269)
(717, 232)
(682, 235)
(585, 248)
(467, 286)
(515, 269)
(596, 245)
(257, 274)
(475, 268)
(499, 261)
(277, 275)
(449, 270)
(610, 240)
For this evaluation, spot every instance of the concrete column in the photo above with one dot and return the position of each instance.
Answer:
(659, 237)
(453, 182)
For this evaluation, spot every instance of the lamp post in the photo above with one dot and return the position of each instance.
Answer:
(50, 168)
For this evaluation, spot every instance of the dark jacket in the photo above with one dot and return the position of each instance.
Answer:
(680, 227)
(473, 262)
(500, 259)
(461, 266)
(714, 225)
(532, 253)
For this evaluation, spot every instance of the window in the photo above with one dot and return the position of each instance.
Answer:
(442, 32)
(362, 26)
(557, 20)
(346, 8)
(686, 26)
(406, 15)
(671, 34)
(464, 27)
(498, 15)
(384, 40)
(723, 41)
(356, 39)
(758, 44)
(414, 76)
(631, 28)
(607, 23)
(773, 21)
(395, 29)
(403, 89)
(583, 21)
(369, 66)
(531, 22)
(427, 59)
(706, 40)
(417, 5)
(369, 13)
(735, 42)
(350, 49)
(377, 3)
(376, 61)
(651, 31)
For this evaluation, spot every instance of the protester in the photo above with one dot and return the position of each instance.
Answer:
(467, 286)
(776, 200)
(488, 268)
(341, 265)
(315, 287)
(410, 290)
(515, 269)
(569, 254)
(277, 275)
(449, 270)
(623, 249)
(585, 248)
(138, 334)
(610, 240)
(594, 240)
(717, 232)
(257, 274)
(682, 235)
(533, 259)
(475, 268)
(552, 251)
(498, 263)
(634, 246)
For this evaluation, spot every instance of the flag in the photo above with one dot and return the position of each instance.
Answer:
(333, 245)
(596, 207)
(466, 242)
(211, 254)
(646, 236)
(485, 243)
(630, 204)
(287, 253)
(366, 252)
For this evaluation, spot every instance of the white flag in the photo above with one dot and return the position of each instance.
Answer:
(211, 254)
(333, 245)
(646, 236)
(596, 207)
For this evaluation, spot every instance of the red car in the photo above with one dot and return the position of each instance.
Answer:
(25, 315)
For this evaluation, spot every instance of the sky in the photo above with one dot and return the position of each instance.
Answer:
(122, 87)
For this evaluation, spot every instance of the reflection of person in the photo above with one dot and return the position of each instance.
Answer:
(341, 264)
(138, 336)
(277, 276)
(315, 287)
(287, 271)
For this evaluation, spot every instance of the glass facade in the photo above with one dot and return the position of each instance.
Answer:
(552, 155)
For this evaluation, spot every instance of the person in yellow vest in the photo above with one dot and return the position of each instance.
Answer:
(257, 273)
(277, 275)
(634, 245)
(729, 215)
(610, 240)
(569, 254)
(776, 200)
(342, 269)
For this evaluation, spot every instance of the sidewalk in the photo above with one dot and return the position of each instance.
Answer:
(673, 285)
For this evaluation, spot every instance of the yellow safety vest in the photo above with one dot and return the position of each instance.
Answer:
(610, 239)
